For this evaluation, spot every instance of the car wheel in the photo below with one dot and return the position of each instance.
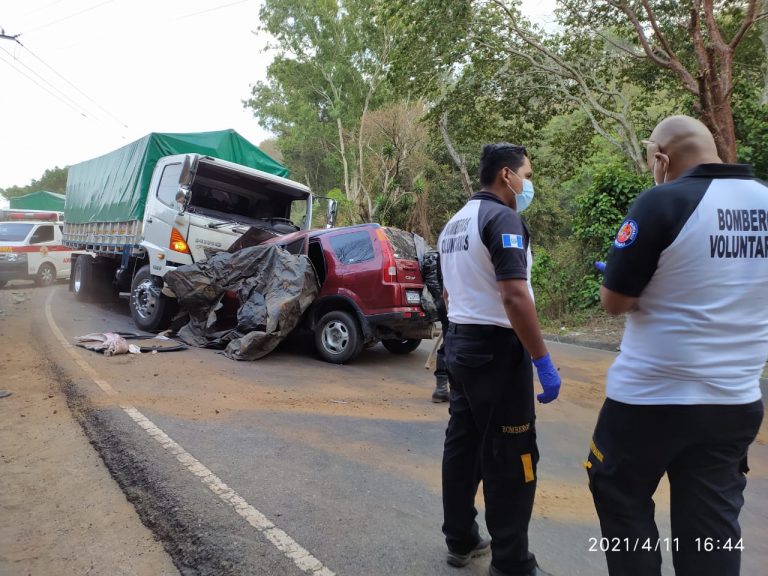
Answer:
(405, 346)
(151, 311)
(337, 337)
(46, 274)
(82, 280)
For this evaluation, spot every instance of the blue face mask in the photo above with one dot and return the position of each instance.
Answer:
(525, 197)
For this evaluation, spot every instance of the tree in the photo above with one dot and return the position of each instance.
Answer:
(695, 40)
(52, 180)
(329, 73)
(394, 162)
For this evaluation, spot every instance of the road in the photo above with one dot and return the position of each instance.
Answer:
(290, 465)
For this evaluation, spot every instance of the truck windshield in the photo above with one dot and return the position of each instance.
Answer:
(14, 232)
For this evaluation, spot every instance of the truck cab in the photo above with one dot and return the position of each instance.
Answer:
(199, 204)
(31, 247)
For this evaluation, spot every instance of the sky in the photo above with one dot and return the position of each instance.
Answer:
(94, 75)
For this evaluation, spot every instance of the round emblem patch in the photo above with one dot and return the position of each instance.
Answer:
(626, 235)
(44, 250)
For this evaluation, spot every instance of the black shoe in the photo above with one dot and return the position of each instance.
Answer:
(441, 393)
(461, 560)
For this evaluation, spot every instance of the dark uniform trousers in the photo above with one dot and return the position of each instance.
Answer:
(491, 436)
(703, 450)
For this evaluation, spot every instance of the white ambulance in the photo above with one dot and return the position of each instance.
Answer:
(31, 248)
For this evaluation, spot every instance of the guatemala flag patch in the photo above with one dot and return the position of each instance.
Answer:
(512, 241)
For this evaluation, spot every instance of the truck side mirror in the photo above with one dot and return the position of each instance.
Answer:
(182, 195)
(330, 215)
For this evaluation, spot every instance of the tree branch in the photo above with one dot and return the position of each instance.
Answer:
(647, 48)
(749, 19)
(672, 62)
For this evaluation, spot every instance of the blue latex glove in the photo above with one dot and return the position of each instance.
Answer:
(549, 378)
(600, 266)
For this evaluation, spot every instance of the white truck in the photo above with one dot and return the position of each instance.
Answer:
(31, 247)
(167, 200)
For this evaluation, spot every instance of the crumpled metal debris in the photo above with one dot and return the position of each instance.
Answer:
(273, 289)
(110, 343)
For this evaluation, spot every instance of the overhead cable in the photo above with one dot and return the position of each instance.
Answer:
(31, 79)
(83, 11)
(115, 118)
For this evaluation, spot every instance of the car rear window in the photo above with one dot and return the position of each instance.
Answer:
(353, 247)
(402, 243)
(14, 232)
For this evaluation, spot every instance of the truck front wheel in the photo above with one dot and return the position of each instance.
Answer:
(151, 311)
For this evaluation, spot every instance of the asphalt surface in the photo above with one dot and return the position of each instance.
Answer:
(344, 459)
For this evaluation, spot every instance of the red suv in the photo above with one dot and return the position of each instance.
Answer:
(370, 289)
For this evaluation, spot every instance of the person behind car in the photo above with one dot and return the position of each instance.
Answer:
(493, 333)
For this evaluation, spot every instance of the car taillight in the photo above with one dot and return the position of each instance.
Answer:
(389, 266)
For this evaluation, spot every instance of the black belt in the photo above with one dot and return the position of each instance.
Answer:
(477, 329)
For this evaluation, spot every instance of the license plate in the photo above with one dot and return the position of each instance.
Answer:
(412, 297)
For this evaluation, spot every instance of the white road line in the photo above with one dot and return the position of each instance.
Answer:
(281, 540)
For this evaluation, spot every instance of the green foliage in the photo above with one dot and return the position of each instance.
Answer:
(345, 214)
(52, 180)
(603, 203)
(751, 118)
(342, 92)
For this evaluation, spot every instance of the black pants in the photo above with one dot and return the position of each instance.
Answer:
(703, 450)
(491, 437)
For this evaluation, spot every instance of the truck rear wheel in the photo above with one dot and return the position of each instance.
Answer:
(337, 337)
(405, 346)
(46, 274)
(151, 311)
(82, 278)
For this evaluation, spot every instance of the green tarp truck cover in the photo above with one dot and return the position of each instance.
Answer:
(40, 200)
(114, 187)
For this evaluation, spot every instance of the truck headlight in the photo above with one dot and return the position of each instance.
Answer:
(16, 257)
(413, 296)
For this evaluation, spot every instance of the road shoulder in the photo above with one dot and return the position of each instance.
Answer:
(56, 493)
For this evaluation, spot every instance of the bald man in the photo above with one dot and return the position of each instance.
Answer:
(689, 267)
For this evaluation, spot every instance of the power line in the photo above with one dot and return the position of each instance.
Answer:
(83, 11)
(44, 80)
(31, 79)
(209, 10)
(41, 8)
(115, 118)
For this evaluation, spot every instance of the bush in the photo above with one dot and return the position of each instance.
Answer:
(602, 205)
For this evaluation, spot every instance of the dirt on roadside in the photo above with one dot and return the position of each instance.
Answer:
(62, 512)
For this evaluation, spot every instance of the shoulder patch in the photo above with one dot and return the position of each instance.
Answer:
(512, 241)
(627, 234)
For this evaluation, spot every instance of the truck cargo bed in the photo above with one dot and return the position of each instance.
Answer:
(103, 237)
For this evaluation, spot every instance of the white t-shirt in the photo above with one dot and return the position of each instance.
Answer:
(695, 252)
(484, 242)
